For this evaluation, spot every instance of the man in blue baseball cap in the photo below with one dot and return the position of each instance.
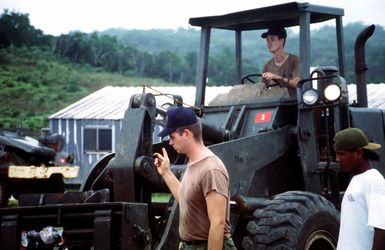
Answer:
(362, 224)
(203, 194)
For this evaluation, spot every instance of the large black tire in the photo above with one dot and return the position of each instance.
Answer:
(294, 220)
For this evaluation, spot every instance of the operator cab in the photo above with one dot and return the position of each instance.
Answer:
(288, 15)
(312, 118)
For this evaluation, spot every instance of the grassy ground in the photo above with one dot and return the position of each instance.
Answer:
(156, 197)
(160, 197)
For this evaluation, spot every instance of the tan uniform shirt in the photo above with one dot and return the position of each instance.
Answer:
(202, 177)
(289, 69)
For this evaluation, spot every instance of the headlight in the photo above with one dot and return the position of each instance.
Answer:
(332, 92)
(310, 96)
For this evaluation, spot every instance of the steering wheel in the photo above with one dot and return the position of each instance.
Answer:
(249, 78)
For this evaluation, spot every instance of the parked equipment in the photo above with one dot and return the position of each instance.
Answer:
(28, 165)
(286, 187)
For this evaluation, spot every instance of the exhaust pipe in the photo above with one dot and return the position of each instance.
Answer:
(360, 65)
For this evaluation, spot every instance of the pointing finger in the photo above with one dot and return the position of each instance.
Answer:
(165, 155)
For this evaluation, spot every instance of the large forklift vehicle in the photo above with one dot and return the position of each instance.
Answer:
(286, 187)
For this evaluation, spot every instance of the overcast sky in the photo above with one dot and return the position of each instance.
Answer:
(57, 17)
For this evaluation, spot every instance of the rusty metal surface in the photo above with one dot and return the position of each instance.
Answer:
(360, 65)
(248, 93)
(42, 172)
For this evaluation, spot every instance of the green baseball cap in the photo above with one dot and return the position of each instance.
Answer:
(352, 138)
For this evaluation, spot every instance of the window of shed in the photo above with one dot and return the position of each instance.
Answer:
(97, 139)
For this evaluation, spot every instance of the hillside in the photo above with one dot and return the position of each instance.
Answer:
(35, 84)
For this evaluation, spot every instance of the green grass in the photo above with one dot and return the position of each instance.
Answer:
(36, 84)
(156, 197)
(160, 197)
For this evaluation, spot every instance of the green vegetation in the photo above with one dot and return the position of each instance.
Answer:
(41, 74)
(35, 84)
(160, 197)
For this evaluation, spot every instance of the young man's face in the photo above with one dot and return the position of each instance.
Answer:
(348, 160)
(274, 43)
(177, 141)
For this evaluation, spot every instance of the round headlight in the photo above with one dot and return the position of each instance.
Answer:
(310, 96)
(332, 92)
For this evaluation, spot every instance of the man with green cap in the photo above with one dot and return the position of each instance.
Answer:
(363, 206)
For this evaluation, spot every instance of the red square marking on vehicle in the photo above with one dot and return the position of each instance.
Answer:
(263, 117)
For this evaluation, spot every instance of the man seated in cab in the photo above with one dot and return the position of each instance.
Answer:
(283, 68)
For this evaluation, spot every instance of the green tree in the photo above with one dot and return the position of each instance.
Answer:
(16, 30)
(100, 50)
(222, 68)
(190, 68)
(169, 66)
(72, 46)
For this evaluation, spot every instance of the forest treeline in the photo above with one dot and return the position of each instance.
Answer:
(172, 54)
(41, 73)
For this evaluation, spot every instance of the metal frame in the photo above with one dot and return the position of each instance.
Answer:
(288, 15)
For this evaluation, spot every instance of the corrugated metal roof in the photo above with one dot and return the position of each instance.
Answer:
(376, 95)
(110, 103)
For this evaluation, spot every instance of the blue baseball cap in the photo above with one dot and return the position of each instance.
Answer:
(176, 118)
(275, 31)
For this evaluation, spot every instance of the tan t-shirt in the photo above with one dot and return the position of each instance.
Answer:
(202, 177)
(289, 69)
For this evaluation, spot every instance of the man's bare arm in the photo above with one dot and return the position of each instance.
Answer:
(216, 209)
(285, 81)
